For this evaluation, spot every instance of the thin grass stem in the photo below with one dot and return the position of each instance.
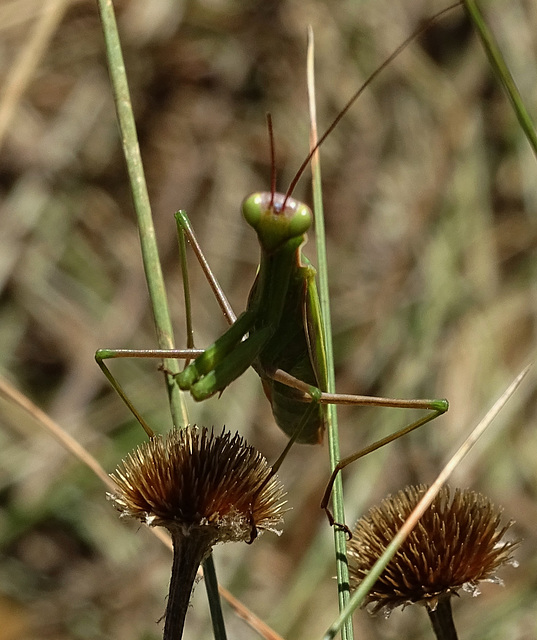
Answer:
(150, 256)
(340, 543)
(22, 68)
(500, 68)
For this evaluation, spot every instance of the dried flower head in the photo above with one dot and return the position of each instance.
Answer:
(456, 544)
(191, 479)
(204, 489)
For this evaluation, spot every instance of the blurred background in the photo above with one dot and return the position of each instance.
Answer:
(431, 211)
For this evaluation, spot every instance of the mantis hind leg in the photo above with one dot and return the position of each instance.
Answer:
(315, 396)
(344, 462)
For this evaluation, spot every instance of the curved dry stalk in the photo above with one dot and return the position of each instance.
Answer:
(23, 69)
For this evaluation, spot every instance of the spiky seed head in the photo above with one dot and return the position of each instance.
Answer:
(194, 482)
(456, 544)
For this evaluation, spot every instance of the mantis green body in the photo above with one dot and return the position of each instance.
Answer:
(280, 327)
(279, 333)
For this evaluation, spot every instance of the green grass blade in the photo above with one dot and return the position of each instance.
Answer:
(340, 541)
(150, 255)
(131, 149)
(211, 585)
(501, 69)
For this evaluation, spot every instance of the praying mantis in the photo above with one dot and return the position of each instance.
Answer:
(280, 332)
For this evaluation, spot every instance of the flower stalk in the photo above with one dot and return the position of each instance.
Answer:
(442, 620)
(204, 489)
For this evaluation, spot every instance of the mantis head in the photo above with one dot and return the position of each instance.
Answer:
(277, 219)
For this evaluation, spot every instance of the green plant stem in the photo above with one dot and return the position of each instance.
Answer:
(213, 595)
(153, 270)
(340, 542)
(150, 256)
(501, 69)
